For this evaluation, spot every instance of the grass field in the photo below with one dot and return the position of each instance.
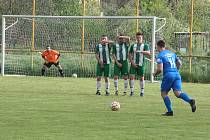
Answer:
(44, 108)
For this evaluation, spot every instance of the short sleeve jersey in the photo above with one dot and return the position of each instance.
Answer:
(138, 57)
(120, 51)
(50, 55)
(104, 53)
(168, 59)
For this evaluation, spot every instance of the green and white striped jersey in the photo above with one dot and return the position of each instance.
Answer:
(120, 51)
(104, 53)
(138, 57)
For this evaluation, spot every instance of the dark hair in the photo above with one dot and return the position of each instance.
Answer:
(103, 36)
(161, 44)
(121, 34)
(139, 33)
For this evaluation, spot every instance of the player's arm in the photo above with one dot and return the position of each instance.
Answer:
(159, 67)
(43, 56)
(99, 60)
(130, 54)
(114, 55)
(178, 63)
(58, 55)
(130, 57)
(107, 41)
(97, 53)
(110, 42)
(127, 38)
(115, 58)
(146, 50)
(116, 61)
(97, 56)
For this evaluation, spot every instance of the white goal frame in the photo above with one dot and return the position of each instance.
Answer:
(154, 30)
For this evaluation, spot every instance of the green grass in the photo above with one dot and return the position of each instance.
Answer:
(44, 108)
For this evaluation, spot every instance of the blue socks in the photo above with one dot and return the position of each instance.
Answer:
(184, 97)
(168, 103)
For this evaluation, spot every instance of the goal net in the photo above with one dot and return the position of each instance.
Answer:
(75, 37)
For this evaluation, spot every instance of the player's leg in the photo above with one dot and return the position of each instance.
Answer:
(116, 84)
(98, 85)
(43, 70)
(141, 81)
(107, 85)
(167, 102)
(116, 77)
(106, 77)
(99, 72)
(45, 66)
(125, 76)
(177, 87)
(59, 69)
(165, 88)
(132, 79)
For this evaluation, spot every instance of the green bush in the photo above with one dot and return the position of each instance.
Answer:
(195, 77)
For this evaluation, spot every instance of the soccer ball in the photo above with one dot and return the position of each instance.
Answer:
(115, 106)
(74, 75)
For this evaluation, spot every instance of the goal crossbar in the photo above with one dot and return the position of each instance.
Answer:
(83, 17)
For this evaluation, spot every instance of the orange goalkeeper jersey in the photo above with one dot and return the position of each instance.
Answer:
(51, 55)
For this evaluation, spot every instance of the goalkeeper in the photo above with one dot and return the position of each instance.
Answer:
(120, 56)
(51, 57)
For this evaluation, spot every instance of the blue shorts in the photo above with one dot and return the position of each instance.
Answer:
(171, 81)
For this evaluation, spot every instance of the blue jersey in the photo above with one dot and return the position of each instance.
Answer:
(171, 76)
(169, 60)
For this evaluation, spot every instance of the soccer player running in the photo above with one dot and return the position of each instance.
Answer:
(103, 51)
(51, 57)
(137, 54)
(169, 63)
(120, 56)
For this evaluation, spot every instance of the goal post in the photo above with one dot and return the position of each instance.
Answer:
(3, 46)
(64, 33)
